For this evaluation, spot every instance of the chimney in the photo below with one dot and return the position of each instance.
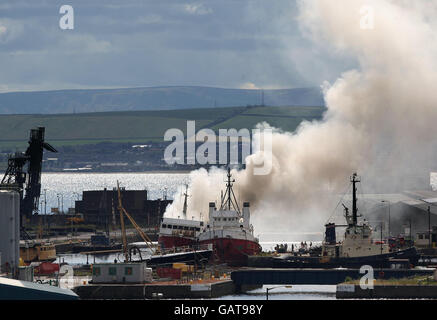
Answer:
(246, 213)
(211, 209)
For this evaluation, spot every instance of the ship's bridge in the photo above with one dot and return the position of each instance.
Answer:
(225, 218)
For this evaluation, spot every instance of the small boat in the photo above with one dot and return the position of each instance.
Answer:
(199, 255)
(33, 251)
(156, 256)
(98, 242)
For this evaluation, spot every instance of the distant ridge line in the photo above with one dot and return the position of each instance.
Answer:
(152, 99)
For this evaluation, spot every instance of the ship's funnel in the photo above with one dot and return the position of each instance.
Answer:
(330, 237)
(211, 209)
(246, 213)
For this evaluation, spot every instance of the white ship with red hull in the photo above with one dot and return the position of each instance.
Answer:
(174, 233)
(229, 230)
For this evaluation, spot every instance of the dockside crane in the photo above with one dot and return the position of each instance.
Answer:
(142, 234)
(27, 184)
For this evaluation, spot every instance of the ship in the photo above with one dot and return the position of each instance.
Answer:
(174, 233)
(358, 248)
(177, 232)
(229, 230)
(32, 251)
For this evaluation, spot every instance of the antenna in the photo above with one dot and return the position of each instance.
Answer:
(354, 180)
(184, 210)
(229, 200)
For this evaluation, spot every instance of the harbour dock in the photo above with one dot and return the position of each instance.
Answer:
(262, 276)
(241, 281)
(204, 289)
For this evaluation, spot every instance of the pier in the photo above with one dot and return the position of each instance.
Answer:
(270, 276)
(157, 290)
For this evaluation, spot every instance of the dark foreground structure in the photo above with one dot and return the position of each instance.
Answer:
(261, 276)
(100, 207)
(352, 291)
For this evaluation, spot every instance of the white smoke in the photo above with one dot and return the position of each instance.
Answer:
(380, 119)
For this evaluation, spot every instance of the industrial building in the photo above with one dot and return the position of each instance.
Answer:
(397, 212)
(100, 207)
(9, 231)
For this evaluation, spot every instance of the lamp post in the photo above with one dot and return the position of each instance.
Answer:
(272, 288)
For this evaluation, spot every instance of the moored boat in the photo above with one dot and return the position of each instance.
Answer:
(174, 233)
(358, 248)
(32, 251)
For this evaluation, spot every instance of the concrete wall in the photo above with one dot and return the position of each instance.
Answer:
(9, 229)
(137, 291)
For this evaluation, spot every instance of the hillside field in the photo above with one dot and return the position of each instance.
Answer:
(143, 126)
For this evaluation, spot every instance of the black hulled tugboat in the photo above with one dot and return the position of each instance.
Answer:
(355, 250)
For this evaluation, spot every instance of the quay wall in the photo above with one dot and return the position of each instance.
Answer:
(387, 292)
(149, 291)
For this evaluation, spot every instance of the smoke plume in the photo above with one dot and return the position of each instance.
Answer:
(380, 119)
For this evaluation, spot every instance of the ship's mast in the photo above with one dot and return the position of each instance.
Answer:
(184, 210)
(228, 200)
(354, 180)
(229, 188)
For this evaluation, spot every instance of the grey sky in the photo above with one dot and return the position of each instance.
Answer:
(127, 43)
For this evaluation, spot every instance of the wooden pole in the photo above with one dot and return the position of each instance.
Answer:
(123, 230)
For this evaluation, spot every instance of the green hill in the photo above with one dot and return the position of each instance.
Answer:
(143, 126)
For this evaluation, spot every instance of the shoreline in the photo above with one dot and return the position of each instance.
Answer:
(118, 172)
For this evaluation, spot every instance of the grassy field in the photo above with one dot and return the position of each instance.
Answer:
(143, 126)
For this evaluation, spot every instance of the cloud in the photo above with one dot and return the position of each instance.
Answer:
(223, 43)
(9, 30)
(149, 19)
(197, 9)
(84, 43)
(249, 85)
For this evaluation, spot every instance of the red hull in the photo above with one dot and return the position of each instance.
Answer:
(174, 242)
(233, 251)
(46, 268)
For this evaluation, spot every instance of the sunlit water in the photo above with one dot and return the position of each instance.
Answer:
(296, 292)
(62, 189)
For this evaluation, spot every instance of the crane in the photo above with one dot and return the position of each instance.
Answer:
(142, 234)
(27, 184)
